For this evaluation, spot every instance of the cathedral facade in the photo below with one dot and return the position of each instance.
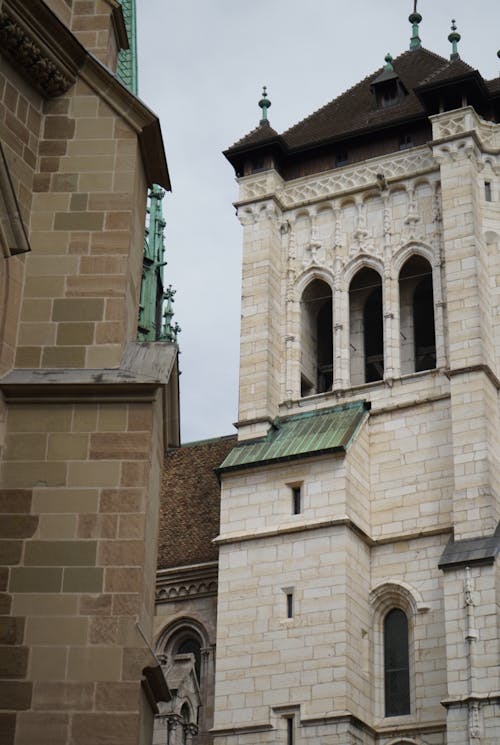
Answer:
(358, 582)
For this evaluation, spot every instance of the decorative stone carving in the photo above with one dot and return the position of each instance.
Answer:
(399, 166)
(474, 721)
(189, 582)
(28, 57)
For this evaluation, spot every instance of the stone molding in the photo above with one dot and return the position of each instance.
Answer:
(343, 521)
(178, 583)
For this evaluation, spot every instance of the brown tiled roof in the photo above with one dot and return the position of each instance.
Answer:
(355, 109)
(454, 69)
(493, 85)
(190, 501)
(260, 134)
(355, 112)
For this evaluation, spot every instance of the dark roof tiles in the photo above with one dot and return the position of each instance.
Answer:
(190, 503)
(455, 68)
(260, 134)
(355, 111)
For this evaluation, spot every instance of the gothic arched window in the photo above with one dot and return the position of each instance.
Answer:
(316, 338)
(366, 327)
(416, 304)
(189, 644)
(396, 664)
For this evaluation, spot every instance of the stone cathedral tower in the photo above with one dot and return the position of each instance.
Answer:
(358, 582)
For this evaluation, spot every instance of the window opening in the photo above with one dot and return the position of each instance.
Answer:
(405, 142)
(289, 731)
(341, 158)
(191, 645)
(289, 605)
(296, 500)
(366, 327)
(417, 327)
(258, 165)
(316, 339)
(487, 191)
(396, 664)
(389, 95)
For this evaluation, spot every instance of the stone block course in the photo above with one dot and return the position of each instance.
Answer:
(60, 553)
(15, 694)
(83, 580)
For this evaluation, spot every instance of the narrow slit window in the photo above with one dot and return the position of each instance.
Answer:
(296, 500)
(487, 191)
(289, 731)
(289, 605)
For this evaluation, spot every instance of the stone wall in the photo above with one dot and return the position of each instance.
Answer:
(85, 412)
(421, 476)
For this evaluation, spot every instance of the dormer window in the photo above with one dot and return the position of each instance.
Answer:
(389, 95)
(388, 88)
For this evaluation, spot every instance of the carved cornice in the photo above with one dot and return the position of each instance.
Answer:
(30, 54)
(180, 583)
(342, 181)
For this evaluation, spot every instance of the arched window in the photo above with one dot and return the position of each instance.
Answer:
(189, 644)
(396, 664)
(316, 339)
(416, 305)
(366, 327)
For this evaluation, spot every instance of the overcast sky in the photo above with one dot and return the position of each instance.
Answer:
(202, 65)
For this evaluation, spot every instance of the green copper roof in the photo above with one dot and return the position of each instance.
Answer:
(299, 436)
(126, 69)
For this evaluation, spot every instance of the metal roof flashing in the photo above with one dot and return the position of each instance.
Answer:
(304, 435)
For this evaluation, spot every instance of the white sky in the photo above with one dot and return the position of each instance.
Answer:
(202, 64)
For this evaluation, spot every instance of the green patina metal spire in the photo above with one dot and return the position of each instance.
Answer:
(264, 104)
(152, 295)
(169, 330)
(150, 323)
(415, 19)
(126, 68)
(454, 38)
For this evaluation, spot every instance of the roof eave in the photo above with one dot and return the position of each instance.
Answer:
(352, 134)
(236, 152)
(473, 77)
(280, 459)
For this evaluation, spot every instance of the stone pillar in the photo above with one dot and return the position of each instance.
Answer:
(340, 329)
(474, 382)
(261, 358)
